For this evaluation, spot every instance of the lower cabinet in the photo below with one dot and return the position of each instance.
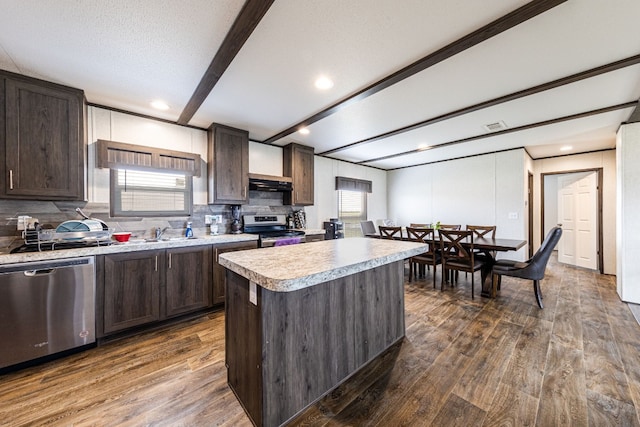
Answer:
(129, 284)
(143, 287)
(219, 278)
(139, 288)
(188, 280)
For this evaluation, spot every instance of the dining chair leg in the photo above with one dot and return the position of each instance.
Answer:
(536, 290)
(410, 271)
(472, 284)
(434, 277)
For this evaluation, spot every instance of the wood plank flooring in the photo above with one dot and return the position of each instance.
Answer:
(463, 363)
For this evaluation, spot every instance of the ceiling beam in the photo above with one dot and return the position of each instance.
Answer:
(500, 25)
(613, 66)
(247, 20)
(635, 116)
(507, 131)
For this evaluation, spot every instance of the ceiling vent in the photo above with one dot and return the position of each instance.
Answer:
(493, 127)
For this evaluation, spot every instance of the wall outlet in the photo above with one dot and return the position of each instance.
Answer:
(208, 219)
(218, 219)
(513, 215)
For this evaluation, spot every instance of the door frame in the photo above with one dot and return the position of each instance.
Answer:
(599, 243)
(530, 210)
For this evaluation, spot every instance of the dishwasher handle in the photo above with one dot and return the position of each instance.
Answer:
(42, 272)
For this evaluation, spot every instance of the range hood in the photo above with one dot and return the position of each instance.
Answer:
(259, 182)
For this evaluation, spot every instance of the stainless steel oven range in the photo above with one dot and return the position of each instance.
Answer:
(272, 230)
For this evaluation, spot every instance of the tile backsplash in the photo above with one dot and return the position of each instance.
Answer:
(52, 213)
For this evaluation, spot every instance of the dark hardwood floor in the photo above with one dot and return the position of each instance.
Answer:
(463, 363)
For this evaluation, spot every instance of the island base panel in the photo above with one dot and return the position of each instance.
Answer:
(292, 348)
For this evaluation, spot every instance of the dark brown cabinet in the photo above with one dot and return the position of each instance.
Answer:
(219, 278)
(188, 280)
(130, 283)
(228, 165)
(43, 127)
(140, 288)
(298, 161)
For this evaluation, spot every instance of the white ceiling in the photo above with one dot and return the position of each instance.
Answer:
(125, 53)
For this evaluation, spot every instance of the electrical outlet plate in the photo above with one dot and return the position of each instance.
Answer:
(208, 219)
(218, 219)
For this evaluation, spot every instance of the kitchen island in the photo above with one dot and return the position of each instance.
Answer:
(301, 319)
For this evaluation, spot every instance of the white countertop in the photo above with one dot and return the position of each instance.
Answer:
(131, 246)
(293, 267)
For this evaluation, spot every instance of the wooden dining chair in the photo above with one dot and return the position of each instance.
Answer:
(429, 258)
(450, 227)
(488, 231)
(484, 231)
(394, 233)
(419, 225)
(456, 249)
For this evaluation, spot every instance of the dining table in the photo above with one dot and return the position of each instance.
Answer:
(488, 246)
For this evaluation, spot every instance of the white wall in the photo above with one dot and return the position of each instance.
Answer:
(326, 197)
(263, 159)
(550, 202)
(481, 190)
(115, 126)
(602, 159)
(628, 224)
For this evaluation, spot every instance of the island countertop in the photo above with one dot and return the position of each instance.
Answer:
(293, 267)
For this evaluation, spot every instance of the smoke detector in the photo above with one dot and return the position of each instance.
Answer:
(493, 127)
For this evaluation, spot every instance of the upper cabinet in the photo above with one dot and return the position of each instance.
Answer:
(298, 163)
(43, 127)
(228, 165)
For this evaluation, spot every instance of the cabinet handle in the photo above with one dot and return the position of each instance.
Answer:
(156, 262)
(244, 192)
(216, 255)
(10, 179)
(169, 260)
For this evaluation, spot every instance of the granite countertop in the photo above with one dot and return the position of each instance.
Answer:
(293, 267)
(131, 246)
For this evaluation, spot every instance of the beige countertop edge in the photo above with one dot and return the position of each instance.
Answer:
(126, 247)
(299, 277)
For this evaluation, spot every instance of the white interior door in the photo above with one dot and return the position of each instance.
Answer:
(577, 208)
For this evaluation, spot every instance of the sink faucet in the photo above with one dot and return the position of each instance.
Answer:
(159, 232)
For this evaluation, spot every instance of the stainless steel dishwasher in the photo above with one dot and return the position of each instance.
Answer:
(46, 307)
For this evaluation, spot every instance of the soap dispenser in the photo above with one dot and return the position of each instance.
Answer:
(189, 232)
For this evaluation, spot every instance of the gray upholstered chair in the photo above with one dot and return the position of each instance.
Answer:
(532, 269)
(368, 228)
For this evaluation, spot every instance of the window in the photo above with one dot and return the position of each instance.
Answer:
(140, 193)
(352, 203)
(352, 208)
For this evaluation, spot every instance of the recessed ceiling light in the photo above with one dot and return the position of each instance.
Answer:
(159, 105)
(324, 83)
(304, 131)
(566, 148)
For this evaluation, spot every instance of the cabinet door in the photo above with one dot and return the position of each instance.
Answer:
(44, 142)
(188, 279)
(132, 289)
(219, 278)
(228, 168)
(298, 163)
